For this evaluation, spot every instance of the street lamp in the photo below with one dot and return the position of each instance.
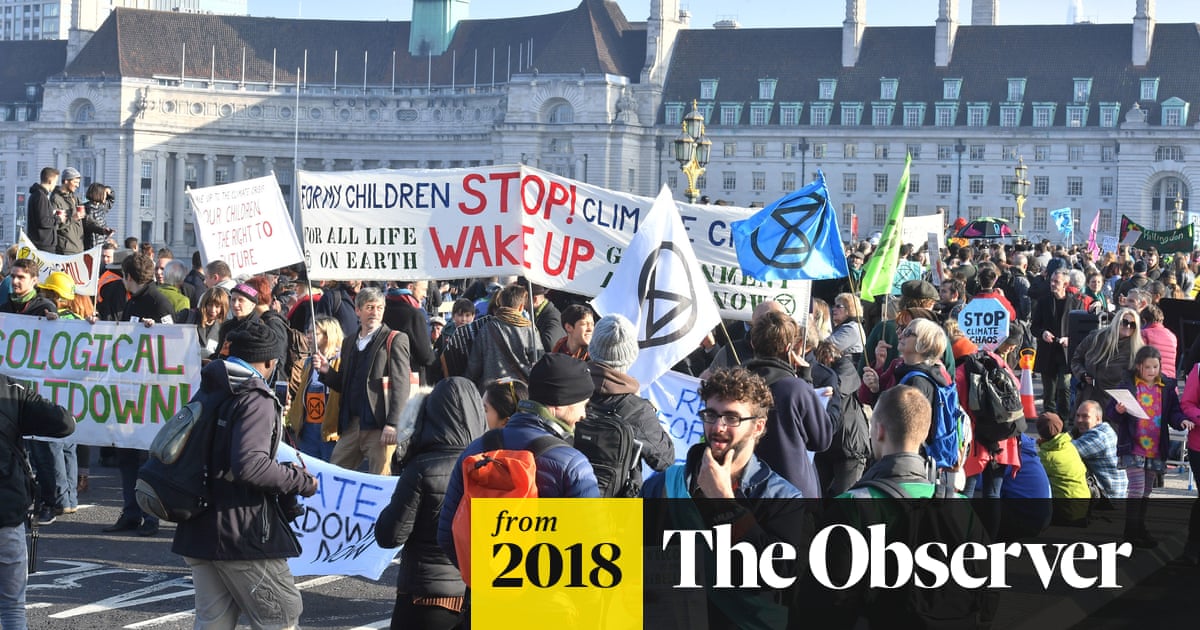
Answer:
(804, 147)
(692, 150)
(1179, 208)
(959, 148)
(1020, 190)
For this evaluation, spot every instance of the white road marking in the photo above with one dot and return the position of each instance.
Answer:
(317, 581)
(376, 625)
(149, 623)
(133, 598)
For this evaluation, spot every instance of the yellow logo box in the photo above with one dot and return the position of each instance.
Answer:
(552, 564)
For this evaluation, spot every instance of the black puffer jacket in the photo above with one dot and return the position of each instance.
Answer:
(617, 390)
(23, 413)
(451, 417)
(245, 521)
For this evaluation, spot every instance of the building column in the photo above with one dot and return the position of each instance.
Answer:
(179, 208)
(98, 174)
(210, 170)
(239, 168)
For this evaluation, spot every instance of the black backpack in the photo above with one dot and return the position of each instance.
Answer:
(994, 398)
(607, 440)
(173, 483)
(942, 519)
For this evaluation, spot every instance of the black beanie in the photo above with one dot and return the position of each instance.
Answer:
(255, 342)
(558, 380)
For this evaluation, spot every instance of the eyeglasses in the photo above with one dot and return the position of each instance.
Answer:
(708, 416)
(1125, 323)
(841, 306)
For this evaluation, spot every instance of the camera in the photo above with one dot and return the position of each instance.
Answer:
(291, 507)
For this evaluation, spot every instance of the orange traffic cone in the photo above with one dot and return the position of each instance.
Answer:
(1026, 363)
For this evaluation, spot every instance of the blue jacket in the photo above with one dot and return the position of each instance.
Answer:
(758, 480)
(561, 472)
(798, 423)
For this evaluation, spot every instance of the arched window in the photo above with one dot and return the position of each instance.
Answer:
(85, 112)
(561, 114)
(1162, 203)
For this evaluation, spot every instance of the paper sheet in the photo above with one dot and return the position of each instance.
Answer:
(1132, 406)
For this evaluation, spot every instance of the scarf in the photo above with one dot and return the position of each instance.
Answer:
(512, 317)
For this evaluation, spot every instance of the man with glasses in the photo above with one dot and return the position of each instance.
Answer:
(373, 379)
(729, 486)
(1051, 326)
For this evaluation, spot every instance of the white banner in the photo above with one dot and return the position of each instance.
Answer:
(84, 268)
(246, 225)
(337, 529)
(120, 381)
(677, 398)
(501, 220)
(658, 286)
(916, 230)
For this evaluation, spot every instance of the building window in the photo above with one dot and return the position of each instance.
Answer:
(879, 213)
(914, 115)
(910, 210)
(1108, 153)
(944, 184)
(766, 89)
(818, 150)
(760, 114)
(1043, 115)
(1168, 154)
(849, 182)
(1174, 112)
(819, 114)
(1106, 220)
(851, 114)
(850, 150)
(1075, 153)
(730, 114)
(22, 169)
(977, 115)
(728, 181)
(881, 115)
(945, 151)
(1076, 116)
(672, 180)
(1008, 213)
(975, 184)
(147, 184)
(1083, 90)
(1008, 152)
(1041, 153)
(978, 152)
(913, 150)
(673, 114)
(1106, 186)
(945, 115)
(881, 182)
(887, 89)
(561, 114)
(1016, 90)
(827, 89)
(789, 114)
(847, 215)
(881, 151)
(1006, 184)
(1039, 219)
(914, 183)
(708, 89)
(789, 150)
(789, 181)
(950, 89)
(1041, 184)
(1074, 186)
(758, 180)
(760, 149)
(729, 149)
(1010, 116)
(1149, 91)
(221, 175)
(974, 212)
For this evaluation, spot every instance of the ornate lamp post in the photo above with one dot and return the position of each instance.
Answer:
(692, 151)
(804, 146)
(1179, 208)
(959, 148)
(1020, 191)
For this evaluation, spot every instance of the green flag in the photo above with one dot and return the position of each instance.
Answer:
(877, 278)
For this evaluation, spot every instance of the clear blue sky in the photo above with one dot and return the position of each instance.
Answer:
(752, 13)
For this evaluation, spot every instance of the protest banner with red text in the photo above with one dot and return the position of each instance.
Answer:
(84, 268)
(502, 220)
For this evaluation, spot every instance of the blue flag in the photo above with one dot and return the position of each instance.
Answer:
(1062, 221)
(795, 238)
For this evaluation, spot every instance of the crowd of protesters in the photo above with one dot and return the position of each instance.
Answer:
(405, 378)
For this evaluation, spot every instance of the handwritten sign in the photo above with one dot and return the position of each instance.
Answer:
(246, 225)
(84, 268)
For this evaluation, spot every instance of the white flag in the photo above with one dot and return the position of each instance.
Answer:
(658, 285)
(245, 224)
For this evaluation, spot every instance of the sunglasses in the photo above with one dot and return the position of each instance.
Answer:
(1125, 323)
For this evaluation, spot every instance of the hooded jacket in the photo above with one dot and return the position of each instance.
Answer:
(244, 521)
(797, 424)
(40, 223)
(619, 390)
(450, 418)
(23, 413)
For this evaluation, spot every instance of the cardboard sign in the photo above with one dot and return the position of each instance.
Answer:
(984, 321)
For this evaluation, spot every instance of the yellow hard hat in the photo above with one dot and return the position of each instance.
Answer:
(60, 283)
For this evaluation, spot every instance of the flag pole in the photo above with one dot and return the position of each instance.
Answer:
(737, 360)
